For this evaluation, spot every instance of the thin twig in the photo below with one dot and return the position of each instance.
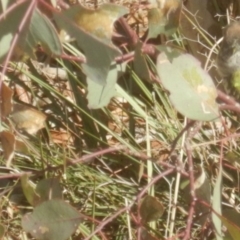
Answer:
(176, 190)
(132, 36)
(227, 99)
(188, 148)
(192, 191)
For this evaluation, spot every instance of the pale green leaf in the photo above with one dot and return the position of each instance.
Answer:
(192, 90)
(41, 31)
(100, 95)
(93, 40)
(53, 219)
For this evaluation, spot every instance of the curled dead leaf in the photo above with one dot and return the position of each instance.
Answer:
(61, 137)
(6, 100)
(8, 146)
(28, 119)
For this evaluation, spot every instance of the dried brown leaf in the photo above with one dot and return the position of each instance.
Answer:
(6, 100)
(151, 209)
(27, 118)
(8, 146)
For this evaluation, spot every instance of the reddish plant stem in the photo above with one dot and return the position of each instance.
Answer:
(154, 78)
(192, 191)
(63, 5)
(132, 36)
(153, 181)
(15, 175)
(87, 218)
(229, 102)
(146, 49)
(232, 167)
(187, 235)
(125, 57)
(88, 157)
(49, 6)
(176, 237)
(108, 220)
(230, 108)
(122, 210)
(150, 50)
(144, 190)
(186, 128)
(73, 58)
(226, 98)
(188, 148)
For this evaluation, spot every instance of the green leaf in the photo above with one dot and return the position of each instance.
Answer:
(9, 27)
(202, 187)
(192, 90)
(216, 204)
(100, 95)
(164, 19)
(49, 189)
(140, 64)
(232, 228)
(99, 22)
(53, 219)
(232, 222)
(171, 53)
(93, 40)
(28, 188)
(151, 209)
(41, 31)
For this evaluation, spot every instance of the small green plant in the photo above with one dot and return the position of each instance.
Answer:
(109, 129)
